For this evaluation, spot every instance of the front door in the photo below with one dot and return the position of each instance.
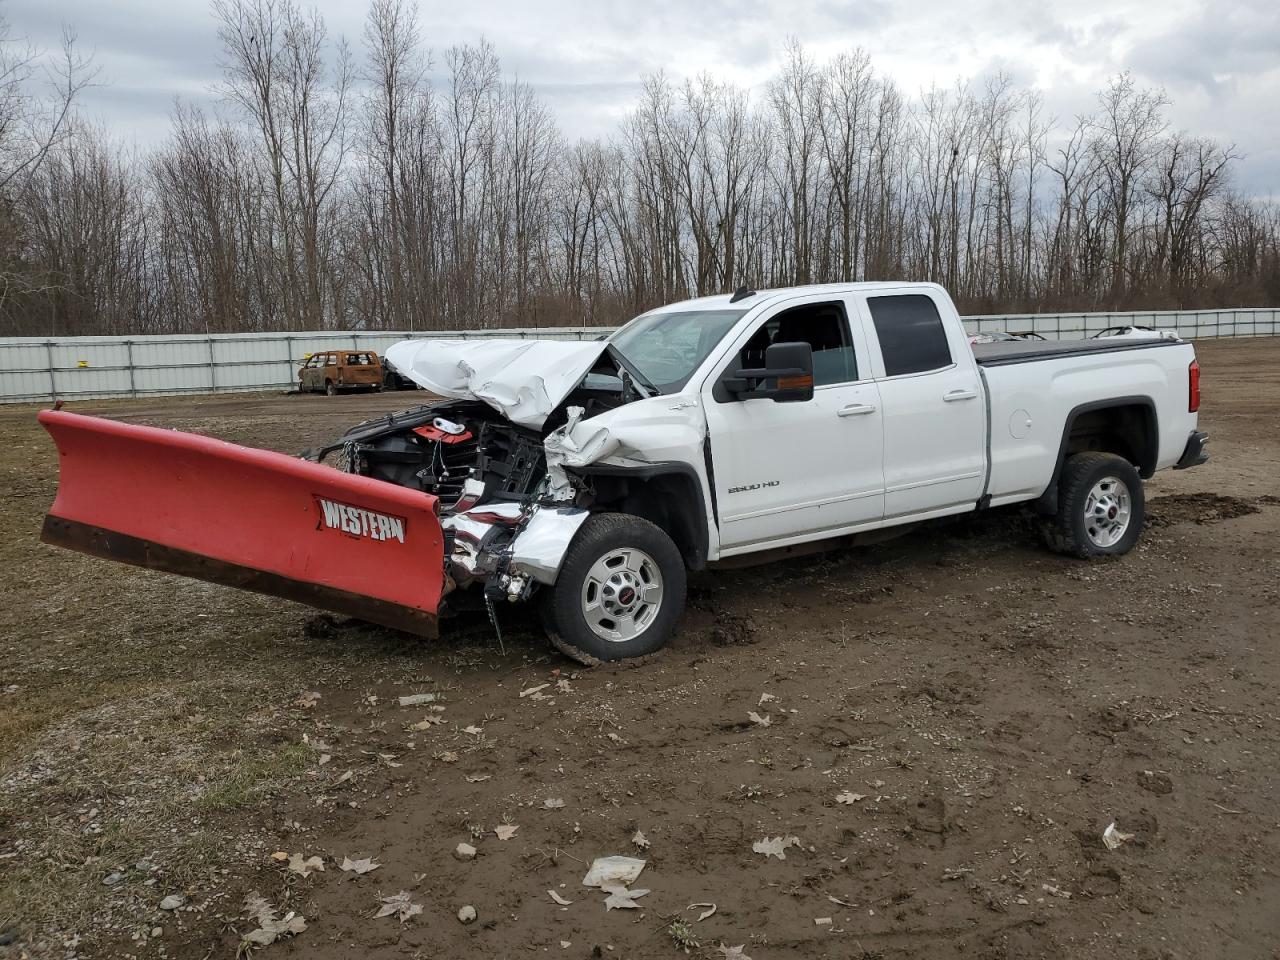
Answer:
(800, 470)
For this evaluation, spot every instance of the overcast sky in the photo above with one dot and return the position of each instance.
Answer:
(1219, 62)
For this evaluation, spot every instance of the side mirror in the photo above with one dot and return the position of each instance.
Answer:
(786, 377)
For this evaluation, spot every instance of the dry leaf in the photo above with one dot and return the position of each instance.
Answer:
(766, 698)
(427, 722)
(562, 686)
(711, 908)
(558, 899)
(533, 690)
(344, 778)
(505, 831)
(553, 804)
(270, 928)
(325, 758)
(620, 898)
(776, 846)
(447, 756)
(359, 866)
(733, 953)
(399, 904)
(280, 855)
(640, 840)
(307, 699)
(759, 720)
(479, 778)
(848, 797)
(304, 867)
(473, 729)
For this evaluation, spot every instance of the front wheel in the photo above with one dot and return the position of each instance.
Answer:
(1101, 507)
(619, 593)
(330, 389)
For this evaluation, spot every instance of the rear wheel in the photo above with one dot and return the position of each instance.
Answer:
(1101, 507)
(330, 388)
(619, 593)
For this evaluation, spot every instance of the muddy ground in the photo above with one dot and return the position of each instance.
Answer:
(984, 709)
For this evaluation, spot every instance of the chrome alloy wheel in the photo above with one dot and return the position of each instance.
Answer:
(622, 594)
(1107, 512)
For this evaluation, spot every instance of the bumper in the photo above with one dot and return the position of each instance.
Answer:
(1195, 452)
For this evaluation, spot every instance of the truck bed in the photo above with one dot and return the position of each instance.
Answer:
(1025, 351)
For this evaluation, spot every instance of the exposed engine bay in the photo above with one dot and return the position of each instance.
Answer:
(507, 523)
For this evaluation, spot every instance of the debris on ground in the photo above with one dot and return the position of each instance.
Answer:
(533, 691)
(305, 867)
(400, 904)
(270, 927)
(625, 870)
(558, 899)
(466, 914)
(733, 953)
(553, 803)
(365, 865)
(620, 897)
(640, 840)
(505, 831)
(464, 851)
(775, 846)
(418, 699)
(758, 720)
(1114, 838)
(848, 797)
(173, 901)
(710, 909)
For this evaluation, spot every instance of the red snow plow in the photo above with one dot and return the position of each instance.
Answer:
(247, 518)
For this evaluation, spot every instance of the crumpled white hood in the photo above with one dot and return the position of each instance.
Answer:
(524, 380)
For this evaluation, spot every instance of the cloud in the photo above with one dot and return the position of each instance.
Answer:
(1219, 62)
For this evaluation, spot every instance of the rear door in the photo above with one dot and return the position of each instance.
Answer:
(794, 471)
(934, 412)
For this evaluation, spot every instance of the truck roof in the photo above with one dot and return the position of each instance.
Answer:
(722, 300)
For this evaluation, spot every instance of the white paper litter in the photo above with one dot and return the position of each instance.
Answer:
(1115, 838)
(613, 870)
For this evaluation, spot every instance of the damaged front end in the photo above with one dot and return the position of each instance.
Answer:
(517, 459)
(504, 530)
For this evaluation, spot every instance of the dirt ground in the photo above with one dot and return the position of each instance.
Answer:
(953, 719)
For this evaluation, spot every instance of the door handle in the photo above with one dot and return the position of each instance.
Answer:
(952, 396)
(856, 410)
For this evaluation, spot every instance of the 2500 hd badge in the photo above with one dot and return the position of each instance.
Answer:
(756, 486)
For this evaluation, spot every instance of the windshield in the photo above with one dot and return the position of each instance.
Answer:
(668, 346)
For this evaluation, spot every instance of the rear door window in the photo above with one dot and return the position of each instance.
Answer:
(912, 337)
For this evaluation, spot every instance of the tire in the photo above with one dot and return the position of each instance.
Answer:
(613, 562)
(1101, 507)
(330, 390)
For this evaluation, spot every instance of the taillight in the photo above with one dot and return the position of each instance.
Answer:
(1193, 387)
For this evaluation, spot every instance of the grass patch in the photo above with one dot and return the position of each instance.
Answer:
(247, 781)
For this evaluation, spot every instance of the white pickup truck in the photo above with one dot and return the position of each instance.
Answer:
(590, 476)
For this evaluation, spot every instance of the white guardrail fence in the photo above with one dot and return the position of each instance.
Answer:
(41, 369)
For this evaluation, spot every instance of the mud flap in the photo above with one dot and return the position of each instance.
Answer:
(247, 518)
